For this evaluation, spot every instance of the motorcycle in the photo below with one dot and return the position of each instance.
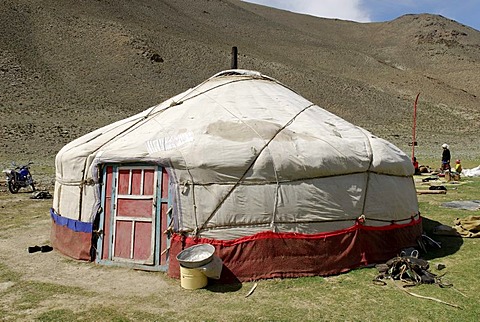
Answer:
(19, 177)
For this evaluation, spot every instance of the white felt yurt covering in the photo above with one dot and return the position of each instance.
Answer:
(246, 154)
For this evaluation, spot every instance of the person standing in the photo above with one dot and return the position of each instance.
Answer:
(415, 165)
(445, 157)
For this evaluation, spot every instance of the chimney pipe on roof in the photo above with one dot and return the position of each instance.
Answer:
(234, 58)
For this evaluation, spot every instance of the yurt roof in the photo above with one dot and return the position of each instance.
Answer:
(239, 118)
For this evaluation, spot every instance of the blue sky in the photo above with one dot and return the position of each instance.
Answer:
(466, 12)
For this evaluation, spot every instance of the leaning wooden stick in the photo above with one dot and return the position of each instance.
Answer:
(251, 290)
(426, 297)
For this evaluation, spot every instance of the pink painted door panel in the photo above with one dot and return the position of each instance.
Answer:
(134, 207)
(141, 249)
(123, 239)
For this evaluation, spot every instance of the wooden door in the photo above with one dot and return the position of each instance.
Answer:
(135, 214)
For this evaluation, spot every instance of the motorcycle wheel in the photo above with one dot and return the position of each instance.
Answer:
(13, 187)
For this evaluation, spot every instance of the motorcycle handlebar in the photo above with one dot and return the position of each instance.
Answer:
(18, 167)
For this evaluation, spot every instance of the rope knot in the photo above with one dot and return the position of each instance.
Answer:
(361, 220)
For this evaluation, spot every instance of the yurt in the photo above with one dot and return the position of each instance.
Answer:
(279, 186)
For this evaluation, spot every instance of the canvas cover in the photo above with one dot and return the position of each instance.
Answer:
(246, 154)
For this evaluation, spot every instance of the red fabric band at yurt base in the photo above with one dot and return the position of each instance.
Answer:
(71, 237)
(279, 255)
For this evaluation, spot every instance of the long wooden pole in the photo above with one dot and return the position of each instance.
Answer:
(414, 126)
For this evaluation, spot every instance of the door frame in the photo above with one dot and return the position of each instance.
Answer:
(160, 258)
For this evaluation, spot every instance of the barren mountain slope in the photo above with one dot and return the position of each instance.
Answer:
(68, 67)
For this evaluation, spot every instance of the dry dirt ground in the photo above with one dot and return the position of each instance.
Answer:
(88, 286)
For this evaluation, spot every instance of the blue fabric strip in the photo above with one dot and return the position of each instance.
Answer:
(72, 224)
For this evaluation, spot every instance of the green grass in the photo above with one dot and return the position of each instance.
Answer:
(20, 295)
(347, 297)
(32, 293)
(8, 275)
(19, 210)
(98, 313)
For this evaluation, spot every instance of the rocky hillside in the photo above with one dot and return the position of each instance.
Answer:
(68, 67)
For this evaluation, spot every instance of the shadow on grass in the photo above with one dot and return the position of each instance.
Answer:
(228, 282)
(450, 244)
(217, 287)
